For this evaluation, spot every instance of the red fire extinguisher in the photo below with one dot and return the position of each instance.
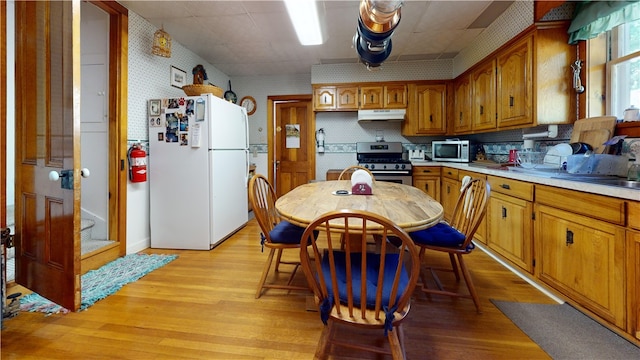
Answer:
(137, 163)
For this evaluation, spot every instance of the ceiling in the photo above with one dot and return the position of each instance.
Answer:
(248, 38)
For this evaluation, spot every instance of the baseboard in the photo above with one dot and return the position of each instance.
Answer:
(519, 274)
(133, 248)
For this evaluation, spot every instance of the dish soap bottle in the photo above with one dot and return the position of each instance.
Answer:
(634, 171)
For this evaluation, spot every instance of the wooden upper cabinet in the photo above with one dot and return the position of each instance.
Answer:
(515, 84)
(395, 96)
(554, 100)
(335, 98)
(483, 89)
(525, 83)
(354, 96)
(347, 97)
(324, 98)
(462, 105)
(426, 114)
(371, 97)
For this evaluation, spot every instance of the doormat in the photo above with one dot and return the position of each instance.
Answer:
(100, 283)
(566, 333)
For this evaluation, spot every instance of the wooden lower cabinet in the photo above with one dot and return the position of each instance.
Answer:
(511, 229)
(450, 191)
(633, 283)
(333, 174)
(427, 179)
(584, 259)
(481, 231)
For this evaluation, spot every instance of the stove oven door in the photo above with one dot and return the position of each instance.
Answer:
(398, 178)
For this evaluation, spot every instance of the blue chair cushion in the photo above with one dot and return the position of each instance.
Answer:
(286, 233)
(442, 235)
(373, 263)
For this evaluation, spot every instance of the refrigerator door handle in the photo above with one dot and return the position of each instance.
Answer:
(246, 172)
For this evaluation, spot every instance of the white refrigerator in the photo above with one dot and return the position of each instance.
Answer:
(198, 170)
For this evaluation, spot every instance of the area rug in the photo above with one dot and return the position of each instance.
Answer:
(100, 283)
(566, 333)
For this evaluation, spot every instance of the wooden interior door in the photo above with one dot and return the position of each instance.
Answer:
(47, 141)
(3, 150)
(294, 142)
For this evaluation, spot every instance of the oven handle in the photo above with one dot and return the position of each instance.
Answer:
(391, 172)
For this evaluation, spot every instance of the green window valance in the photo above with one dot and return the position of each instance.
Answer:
(591, 18)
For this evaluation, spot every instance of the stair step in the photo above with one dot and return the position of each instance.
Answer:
(85, 229)
(86, 224)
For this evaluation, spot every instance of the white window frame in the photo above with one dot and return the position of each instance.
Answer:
(616, 58)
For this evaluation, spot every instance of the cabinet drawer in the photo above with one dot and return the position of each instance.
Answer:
(634, 215)
(515, 188)
(473, 174)
(426, 171)
(595, 206)
(450, 173)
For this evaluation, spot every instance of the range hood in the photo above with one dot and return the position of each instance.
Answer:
(381, 115)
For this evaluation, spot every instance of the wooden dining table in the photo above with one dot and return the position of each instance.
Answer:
(407, 206)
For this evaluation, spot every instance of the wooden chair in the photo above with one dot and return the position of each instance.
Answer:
(347, 294)
(346, 173)
(455, 238)
(277, 234)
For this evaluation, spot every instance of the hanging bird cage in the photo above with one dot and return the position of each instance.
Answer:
(161, 43)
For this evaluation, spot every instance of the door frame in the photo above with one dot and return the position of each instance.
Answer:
(117, 107)
(271, 121)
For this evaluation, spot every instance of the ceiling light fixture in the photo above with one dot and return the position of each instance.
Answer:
(304, 16)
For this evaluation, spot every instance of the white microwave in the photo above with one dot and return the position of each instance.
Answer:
(453, 150)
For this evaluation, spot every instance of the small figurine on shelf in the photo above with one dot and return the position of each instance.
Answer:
(480, 155)
(199, 87)
(199, 74)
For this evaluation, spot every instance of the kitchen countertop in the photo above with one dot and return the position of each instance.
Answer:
(561, 180)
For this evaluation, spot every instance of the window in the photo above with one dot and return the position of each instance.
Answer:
(623, 69)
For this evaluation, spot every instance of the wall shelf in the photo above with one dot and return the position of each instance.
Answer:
(631, 129)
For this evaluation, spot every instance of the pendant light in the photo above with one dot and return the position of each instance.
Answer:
(376, 22)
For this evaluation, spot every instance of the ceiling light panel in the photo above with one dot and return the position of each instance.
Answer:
(305, 20)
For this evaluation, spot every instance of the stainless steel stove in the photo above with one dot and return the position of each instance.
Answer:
(384, 160)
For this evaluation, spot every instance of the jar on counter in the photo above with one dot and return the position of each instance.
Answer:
(631, 114)
(634, 172)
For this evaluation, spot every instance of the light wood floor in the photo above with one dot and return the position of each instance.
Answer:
(202, 306)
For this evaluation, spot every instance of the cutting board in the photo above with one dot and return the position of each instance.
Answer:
(594, 131)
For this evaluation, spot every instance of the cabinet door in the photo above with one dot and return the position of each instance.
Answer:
(510, 229)
(430, 185)
(515, 84)
(371, 97)
(633, 282)
(481, 231)
(427, 179)
(395, 96)
(449, 196)
(583, 258)
(347, 98)
(462, 105)
(431, 109)
(324, 98)
(483, 116)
